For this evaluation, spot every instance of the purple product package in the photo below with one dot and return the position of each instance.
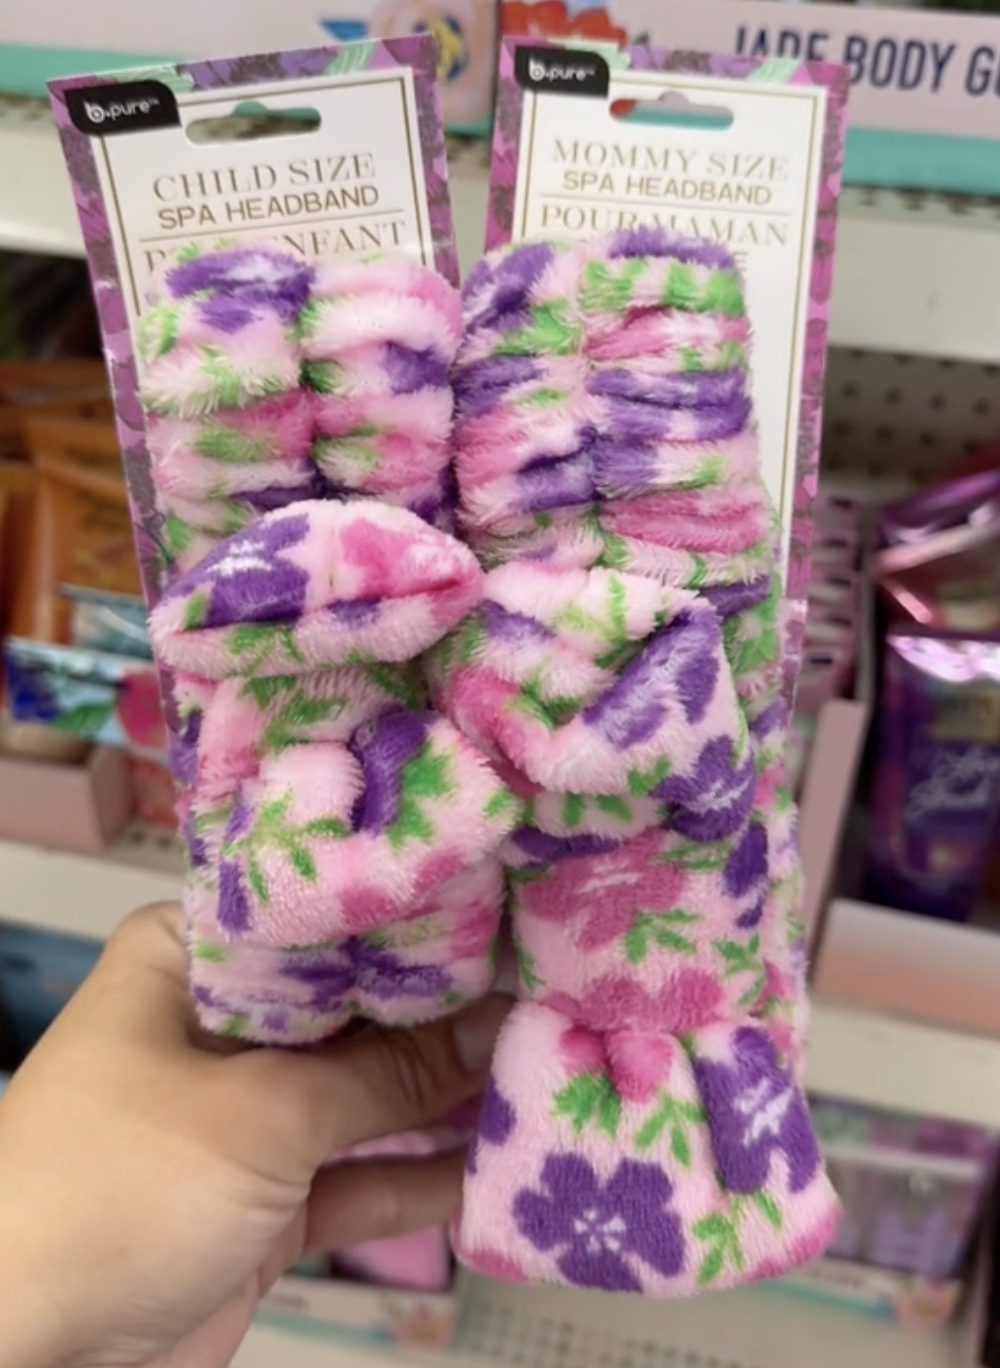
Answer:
(936, 795)
(940, 559)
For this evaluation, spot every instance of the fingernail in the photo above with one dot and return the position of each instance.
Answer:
(477, 1029)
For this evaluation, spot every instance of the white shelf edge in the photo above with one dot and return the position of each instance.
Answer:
(866, 1056)
(910, 275)
(78, 895)
(506, 1326)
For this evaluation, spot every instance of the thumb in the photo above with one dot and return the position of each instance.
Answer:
(380, 1081)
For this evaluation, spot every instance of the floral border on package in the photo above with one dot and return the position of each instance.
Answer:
(185, 79)
(507, 135)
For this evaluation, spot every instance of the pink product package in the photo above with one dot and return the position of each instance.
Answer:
(938, 560)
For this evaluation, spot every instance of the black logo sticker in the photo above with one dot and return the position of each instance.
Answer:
(563, 71)
(123, 108)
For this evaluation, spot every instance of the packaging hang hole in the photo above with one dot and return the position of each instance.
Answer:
(674, 109)
(251, 120)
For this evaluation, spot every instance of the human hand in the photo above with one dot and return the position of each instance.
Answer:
(154, 1183)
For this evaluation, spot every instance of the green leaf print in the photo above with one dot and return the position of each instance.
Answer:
(257, 882)
(611, 806)
(607, 287)
(422, 779)
(219, 443)
(591, 1099)
(235, 1027)
(287, 728)
(195, 611)
(209, 952)
(769, 1207)
(271, 830)
(701, 857)
(551, 712)
(679, 1117)
(526, 876)
(711, 1266)
(680, 1148)
(659, 928)
(574, 807)
(303, 863)
(502, 801)
(253, 642)
(177, 536)
(739, 959)
(551, 332)
(529, 975)
(641, 783)
(721, 1234)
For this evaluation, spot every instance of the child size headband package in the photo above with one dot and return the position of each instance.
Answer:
(637, 393)
(280, 314)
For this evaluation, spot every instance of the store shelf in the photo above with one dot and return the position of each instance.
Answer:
(84, 895)
(510, 1327)
(36, 207)
(915, 273)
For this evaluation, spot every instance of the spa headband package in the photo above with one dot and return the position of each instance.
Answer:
(740, 154)
(272, 251)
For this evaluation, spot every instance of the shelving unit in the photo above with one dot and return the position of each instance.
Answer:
(510, 1327)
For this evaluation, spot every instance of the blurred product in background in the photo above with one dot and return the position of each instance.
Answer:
(833, 623)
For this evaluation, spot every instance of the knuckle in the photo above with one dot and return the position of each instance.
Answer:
(423, 1066)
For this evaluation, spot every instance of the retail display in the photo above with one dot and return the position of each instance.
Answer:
(337, 666)
(936, 797)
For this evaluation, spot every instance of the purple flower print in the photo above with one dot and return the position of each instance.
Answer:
(242, 282)
(594, 1225)
(677, 671)
(715, 798)
(184, 749)
(410, 370)
(649, 241)
(728, 599)
(359, 967)
(197, 849)
(746, 874)
(246, 576)
(481, 386)
(755, 1111)
(503, 301)
(383, 747)
(235, 912)
(503, 624)
(543, 849)
(497, 1119)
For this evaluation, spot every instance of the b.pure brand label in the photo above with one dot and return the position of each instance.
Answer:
(564, 70)
(750, 184)
(122, 107)
(353, 186)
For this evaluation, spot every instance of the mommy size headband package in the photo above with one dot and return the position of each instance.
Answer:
(637, 407)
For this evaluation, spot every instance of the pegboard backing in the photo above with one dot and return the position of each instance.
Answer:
(901, 420)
